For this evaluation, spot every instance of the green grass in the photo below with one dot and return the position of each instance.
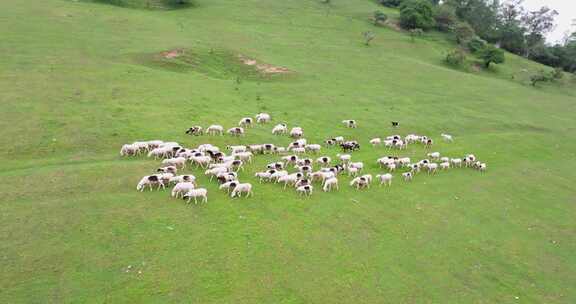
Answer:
(71, 93)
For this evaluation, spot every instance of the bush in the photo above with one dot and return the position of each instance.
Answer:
(416, 14)
(464, 32)
(491, 54)
(390, 3)
(445, 17)
(476, 44)
(456, 57)
(379, 17)
(541, 76)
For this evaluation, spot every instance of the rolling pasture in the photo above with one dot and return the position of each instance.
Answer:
(78, 79)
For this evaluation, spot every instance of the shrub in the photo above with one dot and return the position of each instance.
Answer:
(491, 54)
(464, 32)
(476, 44)
(416, 33)
(541, 76)
(456, 57)
(445, 17)
(416, 14)
(390, 3)
(368, 36)
(379, 17)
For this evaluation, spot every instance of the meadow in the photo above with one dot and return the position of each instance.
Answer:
(78, 79)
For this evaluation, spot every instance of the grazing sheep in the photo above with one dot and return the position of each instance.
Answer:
(444, 165)
(245, 122)
(237, 131)
(236, 149)
(270, 148)
(264, 176)
(195, 130)
(329, 184)
(129, 150)
(201, 161)
(384, 161)
(242, 188)
(314, 148)
(150, 181)
(338, 139)
(358, 165)
(305, 190)
(176, 162)
(368, 178)
(263, 118)
(280, 129)
(411, 138)
(385, 178)
(415, 168)
(456, 162)
(215, 171)
(167, 169)
(447, 137)
(182, 188)
(376, 142)
(444, 159)
(229, 186)
(482, 167)
(407, 176)
(350, 123)
(304, 169)
(428, 144)
(324, 160)
(434, 155)
(469, 159)
(244, 156)
(256, 149)
(153, 144)
(302, 182)
(330, 142)
(391, 167)
(290, 179)
(296, 132)
(344, 158)
(276, 165)
(290, 159)
(196, 193)
(299, 150)
(359, 182)
(404, 161)
(350, 146)
(226, 177)
(432, 167)
(352, 171)
(278, 174)
(215, 130)
(182, 178)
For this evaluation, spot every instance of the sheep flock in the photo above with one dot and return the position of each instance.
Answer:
(299, 166)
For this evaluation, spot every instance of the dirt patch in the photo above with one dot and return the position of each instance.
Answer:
(263, 67)
(172, 53)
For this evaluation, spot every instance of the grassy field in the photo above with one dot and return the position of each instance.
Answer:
(79, 79)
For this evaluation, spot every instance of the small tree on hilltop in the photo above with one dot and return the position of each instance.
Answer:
(456, 57)
(368, 37)
(416, 14)
(491, 54)
(464, 32)
(379, 17)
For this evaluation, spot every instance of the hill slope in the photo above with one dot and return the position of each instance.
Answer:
(75, 88)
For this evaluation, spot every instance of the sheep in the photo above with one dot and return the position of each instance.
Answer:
(482, 167)
(376, 142)
(263, 118)
(245, 122)
(407, 176)
(270, 148)
(280, 150)
(324, 160)
(302, 182)
(329, 184)
(296, 132)
(182, 178)
(385, 178)
(434, 155)
(456, 162)
(159, 152)
(428, 144)
(350, 123)
(201, 161)
(352, 171)
(278, 174)
(320, 176)
(447, 137)
(314, 148)
(167, 169)
(176, 162)
(299, 150)
(350, 146)
(338, 139)
(344, 158)
(236, 149)
(256, 149)
(196, 193)
(384, 161)
(444, 159)
(411, 138)
(358, 165)
(359, 182)
(389, 143)
(391, 167)
(415, 168)
(305, 190)
(330, 142)
(215, 171)
(399, 144)
(153, 144)
(195, 130)
(276, 165)
(290, 159)
(244, 156)
(444, 165)
(242, 188)
(432, 167)
(290, 179)
(215, 130)
(304, 169)
(237, 131)
(263, 176)
(404, 161)
(149, 180)
(469, 159)
(228, 186)
(280, 129)
(368, 178)
(181, 188)
(128, 150)
(224, 177)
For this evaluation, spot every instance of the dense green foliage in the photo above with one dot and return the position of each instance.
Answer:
(390, 3)
(490, 54)
(445, 18)
(379, 17)
(416, 14)
(476, 44)
(79, 79)
(456, 57)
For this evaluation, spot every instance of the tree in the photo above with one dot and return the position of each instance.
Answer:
(491, 54)
(415, 33)
(390, 3)
(445, 17)
(482, 15)
(476, 44)
(379, 17)
(416, 14)
(541, 76)
(511, 32)
(464, 32)
(368, 37)
(456, 57)
(538, 24)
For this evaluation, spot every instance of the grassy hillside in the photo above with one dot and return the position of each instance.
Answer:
(79, 79)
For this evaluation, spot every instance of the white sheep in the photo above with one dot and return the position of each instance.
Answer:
(305, 190)
(244, 156)
(263, 118)
(404, 161)
(196, 193)
(242, 188)
(385, 178)
(128, 150)
(434, 155)
(153, 144)
(350, 123)
(245, 122)
(352, 171)
(236, 131)
(150, 181)
(215, 130)
(290, 179)
(299, 150)
(176, 162)
(447, 137)
(296, 132)
(229, 186)
(278, 174)
(456, 162)
(376, 142)
(314, 148)
(384, 161)
(324, 160)
(391, 167)
(444, 159)
(236, 149)
(181, 188)
(182, 178)
(344, 158)
(263, 176)
(432, 167)
(280, 129)
(368, 178)
(407, 176)
(444, 165)
(482, 167)
(329, 184)
(359, 182)
(215, 171)
(201, 161)
(358, 165)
